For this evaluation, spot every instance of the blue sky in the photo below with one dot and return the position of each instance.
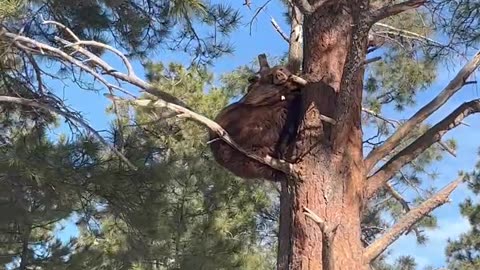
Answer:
(264, 39)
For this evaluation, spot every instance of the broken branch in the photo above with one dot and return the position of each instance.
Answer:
(407, 221)
(402, 132)
(409, 153)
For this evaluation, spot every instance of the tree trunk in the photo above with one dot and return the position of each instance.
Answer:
(331, 182)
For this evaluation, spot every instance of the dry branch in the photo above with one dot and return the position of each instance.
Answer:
(402, 132)
(391, 10)
(407, 221)
(395, 194)
(409, 153)
(67, 115)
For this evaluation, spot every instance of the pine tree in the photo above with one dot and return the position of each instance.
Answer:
(335, 227)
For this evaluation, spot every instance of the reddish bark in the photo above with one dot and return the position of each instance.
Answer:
(331, 182)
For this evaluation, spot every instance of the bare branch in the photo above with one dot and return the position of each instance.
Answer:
(402, 132)
(67, 115)
(397, 197)
(447, 148)
(409, 153)
(394, 123)
(391, 10)
(328, 236)
(407, 34)
(371, 60)
(279, 29)
(407, 221)
(320, 222)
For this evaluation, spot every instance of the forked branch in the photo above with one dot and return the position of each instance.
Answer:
(407, 221)
(409, 153)
(402, 132)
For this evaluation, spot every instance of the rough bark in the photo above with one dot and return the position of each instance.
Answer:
(331, 183)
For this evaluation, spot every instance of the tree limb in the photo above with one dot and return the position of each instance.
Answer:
(407, 34)
(279, 29)
(185, 113)
(397, 197)
(402, 132)
(409, 153)
(407, 221)
(391, 10)
(67, 115)
(165, 100)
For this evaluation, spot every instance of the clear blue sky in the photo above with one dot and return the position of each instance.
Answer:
(264, 39)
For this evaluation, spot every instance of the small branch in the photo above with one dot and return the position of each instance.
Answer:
(328, 237)
(279, 29)
(402, 132)
(407, 34)
(371, 60)
(447, 148)
(397, 197)
(391, 10)
(36, 104)
(320, 222)
(409, 153)
(407, 221)
(394, 123)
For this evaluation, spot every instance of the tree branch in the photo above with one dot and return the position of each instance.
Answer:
(185, 113)
(397, 197)
(67, 115)
(402, 132)
(165, 100)
(391, 10)
(406, 34)
(407, 221)
(409, 153)
(279, 29)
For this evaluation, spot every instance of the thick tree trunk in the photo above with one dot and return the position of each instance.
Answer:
(331, 182)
